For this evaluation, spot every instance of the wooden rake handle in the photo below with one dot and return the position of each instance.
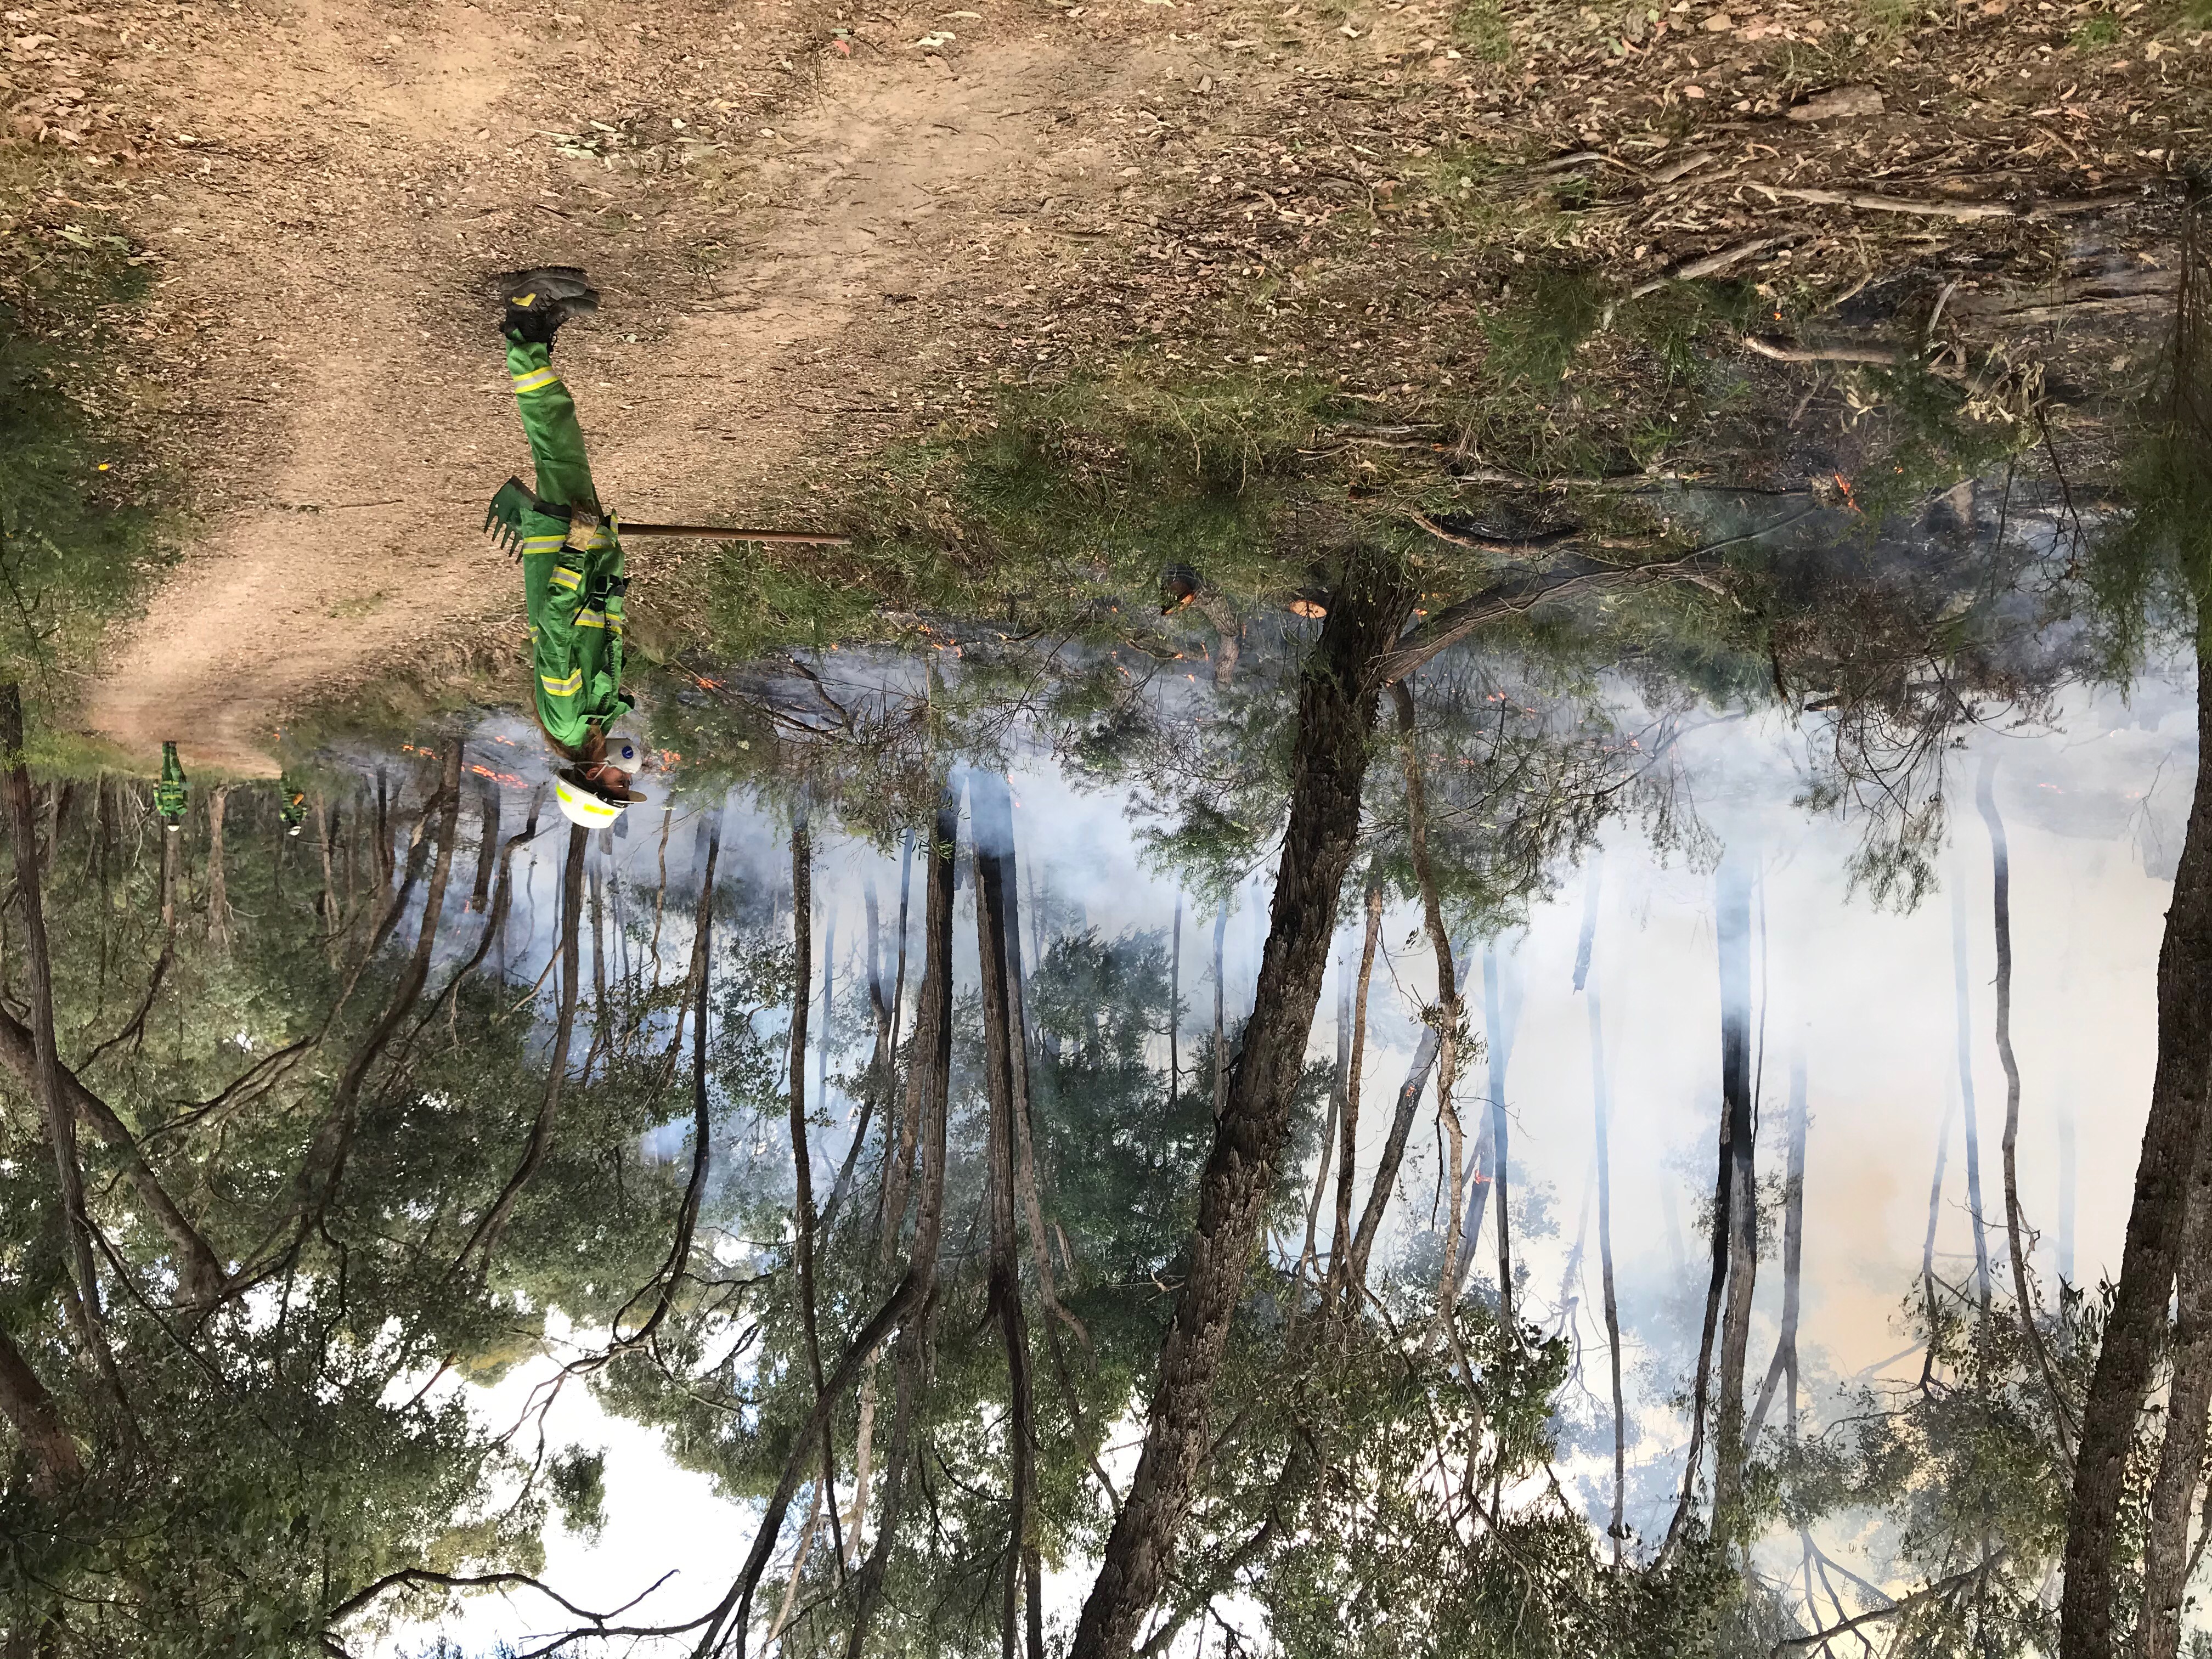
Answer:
(712, 532)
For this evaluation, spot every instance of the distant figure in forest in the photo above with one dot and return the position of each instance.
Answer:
(573, 580)
(292, 810)
(170, 794)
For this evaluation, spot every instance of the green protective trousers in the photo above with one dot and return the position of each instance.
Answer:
(169, 794)
(574, 595)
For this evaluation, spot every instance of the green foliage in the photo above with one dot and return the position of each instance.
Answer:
(80, 504)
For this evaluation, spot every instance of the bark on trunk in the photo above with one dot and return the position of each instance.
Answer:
(61, 1120)
(487, 1235)
(1740, 1215)
(1220, 1025)
(1501, 1017)
(1308, 1254)
(199, 1271)
(1340, 1252)
(2023, 1290)
(933, 1018)
(1447, 1009)
(1175, 1007)
(929, 1071)
(2172, 1151)
(1601, 1112)
(31, 1411)
(1793, 1260)
(487, 847)
(802, 1162)
(1386, 1168)
(218, 888)
(1336, 710)
(2181, 1458)
(1963, 1020)
(991, 813)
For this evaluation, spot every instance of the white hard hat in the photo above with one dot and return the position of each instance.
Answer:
(579, 805)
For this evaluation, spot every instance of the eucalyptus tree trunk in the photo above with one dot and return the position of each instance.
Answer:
(83, 1288)
(1793, 1260)
(1175, 1006)
(929, 1078)
(1501, 1017)
(487, 846)
(31, 1412)
(802, 1163)
(1341, 1254)
(1447, 1019)
(218, 887)
(1308, 1253)
(1601, 1112)
(993, 829)
(2173, 1155)
(1740, 1214)
(1220, 1025)
(487, 1232)
(1975, 1214)
(1337, 698)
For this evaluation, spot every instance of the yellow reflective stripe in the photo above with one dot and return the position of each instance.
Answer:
(562, 688)
(542, 543)
(566, 575)
(589, 619)
(537, 380)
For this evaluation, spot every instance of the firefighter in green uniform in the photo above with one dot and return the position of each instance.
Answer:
(169, 796)
(292, 812)
(573, 578)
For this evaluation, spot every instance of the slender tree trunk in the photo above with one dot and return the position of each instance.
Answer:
(487, 846)
(802, 1162)
(1340, 1244)
(1394, 1154)
(1501, 1017)
(993, 828)
(1337, 698)
(61, 1121)
(1724, 1219)
(1447, 1009)
(2181, 1457)
(1175, 1007)
(1308, 1253)
(218, 889)
(1740, 1217)
(1601, 1110)
(1935, 1212)
(1975, 1213)
(2171, 1164)
(1220, 1025)
(935, 982)
(928, 1075)
(2023, 1290)
(31, 1412)
(1793, 1258)
(487, 1231)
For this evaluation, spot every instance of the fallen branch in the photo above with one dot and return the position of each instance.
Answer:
(1497, 543)
(1707, 264)
(1887, 356)
(2029, 210)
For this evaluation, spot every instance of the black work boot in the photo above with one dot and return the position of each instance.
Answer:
(539, 301)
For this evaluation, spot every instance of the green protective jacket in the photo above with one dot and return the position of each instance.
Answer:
(573, 596)
(169, 795)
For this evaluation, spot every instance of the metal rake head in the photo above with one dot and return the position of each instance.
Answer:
(503, 517)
